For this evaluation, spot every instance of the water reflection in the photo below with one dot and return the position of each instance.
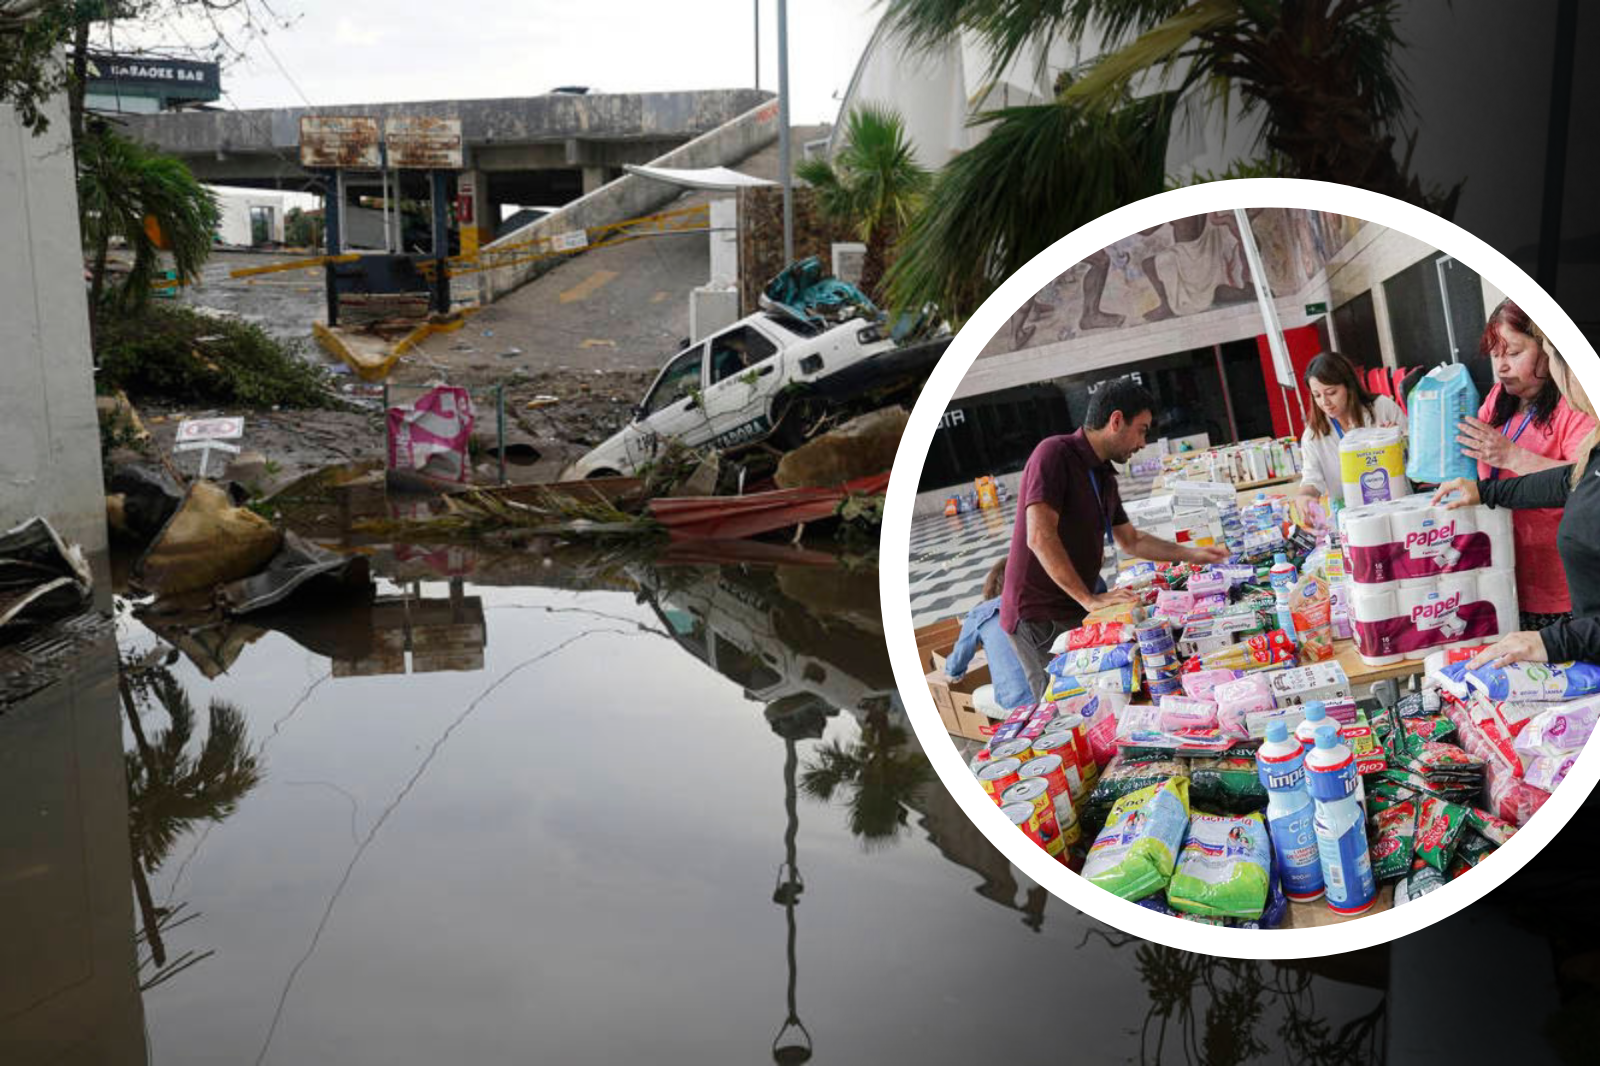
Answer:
(69, 990)
(582, 809)
(171, 790)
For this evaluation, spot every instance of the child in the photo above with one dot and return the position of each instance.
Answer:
(982, 623)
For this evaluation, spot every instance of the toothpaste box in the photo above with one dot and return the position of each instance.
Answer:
(1363, 742)
(1206, 635)
(1320, 681)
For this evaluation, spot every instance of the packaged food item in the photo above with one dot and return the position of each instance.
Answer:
(1124, 775)
(1394, 842)
(1439, 826)
(1472, 850)
(1135, 854)
(1549, 682)
(1226, 784)
(1418, 883)
(1495, 830)
(1098, 633)
(1094, 660)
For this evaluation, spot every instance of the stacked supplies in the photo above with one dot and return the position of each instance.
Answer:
(1424, 577)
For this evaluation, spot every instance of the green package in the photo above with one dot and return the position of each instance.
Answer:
(1495, 830)
(1122, 776)
(1224, 867)
(1228, 784)
(1135, 853)
(1394, 840)
(1422, 880)
(1439, 827)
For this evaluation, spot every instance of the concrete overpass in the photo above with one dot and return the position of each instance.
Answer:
(548, 149)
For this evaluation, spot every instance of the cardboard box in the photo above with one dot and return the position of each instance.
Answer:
(956, 709)
(936, 636)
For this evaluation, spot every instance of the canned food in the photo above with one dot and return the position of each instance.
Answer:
(1037, 793)
(1037, 820)
(998, 775)
(1074, 724)
(1050, 770)
(1060, 744)
(1010, 749)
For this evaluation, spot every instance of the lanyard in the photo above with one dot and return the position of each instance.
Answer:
(1494, 471)
(1337, 428)
(1105, 519)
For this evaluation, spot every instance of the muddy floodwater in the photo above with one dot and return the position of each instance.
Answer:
(509, 811)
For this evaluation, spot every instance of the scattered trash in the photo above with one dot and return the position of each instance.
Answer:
(41, 577)
(511, 353)
(296, 563)
(542, 400)
(209, 540)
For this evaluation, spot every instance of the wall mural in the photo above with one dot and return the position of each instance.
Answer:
(1184, 267)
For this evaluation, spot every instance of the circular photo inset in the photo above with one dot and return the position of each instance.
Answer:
(1236, 572)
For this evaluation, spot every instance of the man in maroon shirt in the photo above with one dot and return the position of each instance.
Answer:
(1067, 504)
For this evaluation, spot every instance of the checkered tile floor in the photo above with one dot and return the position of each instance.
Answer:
(950, 556)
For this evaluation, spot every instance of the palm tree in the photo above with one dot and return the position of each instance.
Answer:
(170, 791)
(1319, 74)
(874, 185)
(881, 773)
(121, 184)
(1042, 171)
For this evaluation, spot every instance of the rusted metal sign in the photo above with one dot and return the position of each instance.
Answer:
(339, 141)
(423, 143)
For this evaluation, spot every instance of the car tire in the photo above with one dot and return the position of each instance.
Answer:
(793, 418)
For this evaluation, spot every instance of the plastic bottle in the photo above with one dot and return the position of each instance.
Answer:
(1282, 575)
(1260, 512)
(1316, 717)
(1341, 828)
(1285, 613)
(1306, 734)
(1280, 763)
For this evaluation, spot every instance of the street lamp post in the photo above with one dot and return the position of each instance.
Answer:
(783, 133)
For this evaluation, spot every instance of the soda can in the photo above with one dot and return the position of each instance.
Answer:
(998, 775)
(1050, 770)
(1036, 794)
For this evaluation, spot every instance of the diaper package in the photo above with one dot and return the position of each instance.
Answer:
(1435, 407)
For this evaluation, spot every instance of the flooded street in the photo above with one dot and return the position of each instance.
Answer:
(675, 815)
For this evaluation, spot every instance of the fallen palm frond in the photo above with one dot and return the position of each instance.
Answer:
(478, 511)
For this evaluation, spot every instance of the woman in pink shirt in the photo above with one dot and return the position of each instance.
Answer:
(1525, 426)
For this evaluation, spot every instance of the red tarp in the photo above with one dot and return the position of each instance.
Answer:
(732, 517)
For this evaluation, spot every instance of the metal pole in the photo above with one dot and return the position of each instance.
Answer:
(1227, 400)
(500, 423)
(758, 42)
(441, 242)
(783, 133)
(1269, 314)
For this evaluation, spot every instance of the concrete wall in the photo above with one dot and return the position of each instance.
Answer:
(631, 196)
(265, 143)
(234, 228)
(49, 435)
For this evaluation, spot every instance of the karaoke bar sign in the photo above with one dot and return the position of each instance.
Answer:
(153, 71)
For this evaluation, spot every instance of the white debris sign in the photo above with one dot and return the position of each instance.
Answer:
(208, 434)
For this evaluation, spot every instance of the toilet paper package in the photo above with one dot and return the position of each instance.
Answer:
(1408, 539)
(1453, 610)
(1435, 407)
(1372, 465)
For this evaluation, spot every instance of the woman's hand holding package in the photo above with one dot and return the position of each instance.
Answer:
(1521, 647)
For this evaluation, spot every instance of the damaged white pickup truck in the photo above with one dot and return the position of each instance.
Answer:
(770, 377)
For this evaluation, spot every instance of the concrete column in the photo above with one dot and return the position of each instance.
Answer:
(473, 186)
(49, 432)
(593, 178)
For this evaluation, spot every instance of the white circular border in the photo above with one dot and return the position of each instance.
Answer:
(894, 585)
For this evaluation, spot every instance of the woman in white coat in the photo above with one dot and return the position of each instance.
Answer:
(1339, 403)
